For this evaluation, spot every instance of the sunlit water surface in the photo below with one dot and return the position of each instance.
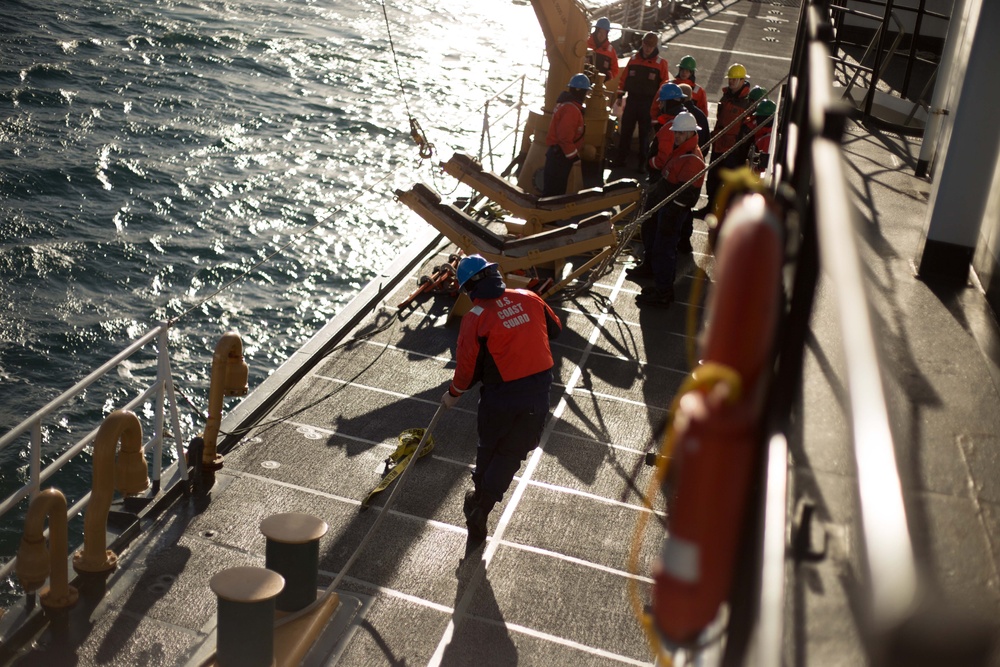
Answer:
(153, 150)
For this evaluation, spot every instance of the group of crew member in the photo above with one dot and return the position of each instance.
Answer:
(503, 344)
(655, 104)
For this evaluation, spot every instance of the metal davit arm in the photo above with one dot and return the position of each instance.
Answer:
(565, 26)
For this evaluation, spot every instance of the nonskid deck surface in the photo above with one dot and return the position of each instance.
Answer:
(550, 584)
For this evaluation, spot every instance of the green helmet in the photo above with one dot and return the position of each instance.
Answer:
(756, 93)
(765, 108)
(688, 63)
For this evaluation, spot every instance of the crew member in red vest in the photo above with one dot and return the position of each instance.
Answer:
(682, 165)
(685, 74)
(605, 56)
(763, 123)
(504, 344)
(734, 102)
(565, 137)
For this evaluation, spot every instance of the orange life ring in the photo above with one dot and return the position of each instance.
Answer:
(717, 426)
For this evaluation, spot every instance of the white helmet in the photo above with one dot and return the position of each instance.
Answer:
(684, 122)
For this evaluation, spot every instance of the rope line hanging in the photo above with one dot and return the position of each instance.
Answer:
(416, 132)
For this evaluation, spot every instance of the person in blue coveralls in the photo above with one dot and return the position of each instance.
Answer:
(503, 343)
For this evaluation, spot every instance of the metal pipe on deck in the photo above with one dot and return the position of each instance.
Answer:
(129, 476)
(35, 563)
(229, 378)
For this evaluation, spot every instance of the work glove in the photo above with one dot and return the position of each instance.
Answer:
(448, 401)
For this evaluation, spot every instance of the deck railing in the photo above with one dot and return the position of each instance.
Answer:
(161, 390)
(810, 167)
(488, 146)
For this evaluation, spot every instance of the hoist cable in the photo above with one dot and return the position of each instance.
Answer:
(416, 132)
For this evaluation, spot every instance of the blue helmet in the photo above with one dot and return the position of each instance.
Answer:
(670, 91)
(580, 82)
(603, 23)
(470, 266)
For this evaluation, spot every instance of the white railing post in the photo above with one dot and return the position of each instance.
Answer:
(35, 458)
(175, 420)
(517, 123)
(161, 386)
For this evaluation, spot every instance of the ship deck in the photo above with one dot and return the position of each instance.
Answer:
(549, 587)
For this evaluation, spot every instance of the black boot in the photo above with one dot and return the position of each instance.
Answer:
(475, 519)
(471, 500)
(656, 296)
(641, 271)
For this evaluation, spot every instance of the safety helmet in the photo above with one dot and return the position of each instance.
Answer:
(470, 266)
(756, 93)
(670, 91)
(688, 63)
(603, 23)
(685, 90)
(765, 108)
(737, 71)
(685, 122)
(579, 82)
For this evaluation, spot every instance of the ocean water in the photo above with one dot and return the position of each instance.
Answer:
(153, 150)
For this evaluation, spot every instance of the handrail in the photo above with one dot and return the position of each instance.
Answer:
(887, 546)
(485, 137)
(876, 76)
(161, 390)
(812, 169)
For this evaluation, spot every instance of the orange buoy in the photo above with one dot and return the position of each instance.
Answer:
(717, 426)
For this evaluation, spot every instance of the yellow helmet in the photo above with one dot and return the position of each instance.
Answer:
(737, 71)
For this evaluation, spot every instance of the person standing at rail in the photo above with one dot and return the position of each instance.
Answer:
(503, 343)
(565, 137)
(687, 231)
(735, 100)
(645, 72)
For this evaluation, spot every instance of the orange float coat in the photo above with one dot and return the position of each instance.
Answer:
(504, 339)
(664, 142)
(762, 137)
(730, 107)
(644, 76)
(566, 128)
(681, 165)
(605, 57)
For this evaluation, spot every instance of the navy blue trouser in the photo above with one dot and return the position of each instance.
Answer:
(636, 113)
(669, 223)
(510, 426)
(555, 177)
